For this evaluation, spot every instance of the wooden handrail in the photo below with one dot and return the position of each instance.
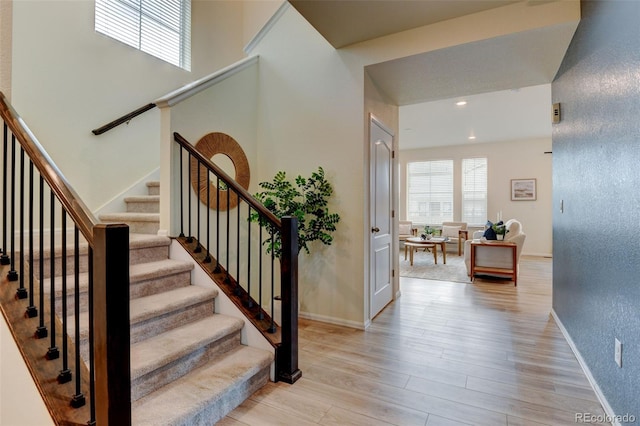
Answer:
(125, 118)
(229, 181)
(76, 208)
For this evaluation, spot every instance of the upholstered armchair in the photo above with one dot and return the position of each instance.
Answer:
(450, 229)
(497, 257)
(405, 230)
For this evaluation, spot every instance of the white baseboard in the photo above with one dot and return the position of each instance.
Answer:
(333, 320)
(585, 368)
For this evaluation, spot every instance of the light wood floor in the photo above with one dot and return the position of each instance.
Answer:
(443, 354)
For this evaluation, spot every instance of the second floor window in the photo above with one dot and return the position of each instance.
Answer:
(161, 28)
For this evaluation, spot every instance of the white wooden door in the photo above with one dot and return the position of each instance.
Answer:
(380, 281)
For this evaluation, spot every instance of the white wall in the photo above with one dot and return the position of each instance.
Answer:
(506, 160)
(67, 80)
(20, 401)
(311, 114)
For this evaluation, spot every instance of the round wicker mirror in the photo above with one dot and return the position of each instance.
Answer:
(211, 145)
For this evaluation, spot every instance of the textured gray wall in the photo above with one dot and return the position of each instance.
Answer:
(596, 171)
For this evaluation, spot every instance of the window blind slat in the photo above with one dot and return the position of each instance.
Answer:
(430, 191)
(161, 28)
(474, 190)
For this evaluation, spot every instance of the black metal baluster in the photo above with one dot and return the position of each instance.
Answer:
(92, 369)
(227, 279)
(64, 375)
(32, 311)
(238, 291)
(181, 197)
(41, 331)
(190, 236)
(260, 315)
(78, 399)
(52, 352)
(4, 258)
(217, 268)
(21, 292)
(249, 302)
(272, 326)
(13, 274)
(207, 258)
(198, 248)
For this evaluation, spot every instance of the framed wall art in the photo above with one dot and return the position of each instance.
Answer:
(523, 189)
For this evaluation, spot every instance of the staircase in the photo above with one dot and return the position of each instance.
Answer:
(187, 363)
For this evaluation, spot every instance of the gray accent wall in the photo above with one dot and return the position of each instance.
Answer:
(596, 175)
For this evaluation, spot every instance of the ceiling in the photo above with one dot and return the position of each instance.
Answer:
(500, 116)
(505, 79)
(346, 22)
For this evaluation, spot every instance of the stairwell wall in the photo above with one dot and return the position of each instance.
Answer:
(67, 79)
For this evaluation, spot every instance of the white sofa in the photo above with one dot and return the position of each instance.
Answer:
(497, 257)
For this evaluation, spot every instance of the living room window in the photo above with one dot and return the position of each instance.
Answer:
(430, 191)
(161, 28)
(474, 190)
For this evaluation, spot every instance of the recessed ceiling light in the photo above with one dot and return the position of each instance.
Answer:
(461, 103)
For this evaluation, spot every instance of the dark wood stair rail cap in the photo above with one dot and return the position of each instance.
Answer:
(124, 119)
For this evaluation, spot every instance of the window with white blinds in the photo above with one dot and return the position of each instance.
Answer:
(430, 191)
(474, 191)
(161, 28)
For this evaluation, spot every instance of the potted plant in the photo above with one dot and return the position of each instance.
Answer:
(500, 229)
(304, 198)
(428, 232)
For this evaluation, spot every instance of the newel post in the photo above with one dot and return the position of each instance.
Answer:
(111, 324)
(287, 355)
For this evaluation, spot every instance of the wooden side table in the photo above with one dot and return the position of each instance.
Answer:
(513, 271)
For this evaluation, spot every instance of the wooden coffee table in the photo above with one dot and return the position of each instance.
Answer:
(415, 243)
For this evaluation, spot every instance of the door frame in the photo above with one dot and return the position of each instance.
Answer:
(394, 218)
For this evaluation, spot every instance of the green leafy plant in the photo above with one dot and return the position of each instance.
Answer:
(304, 198)
(429, 230)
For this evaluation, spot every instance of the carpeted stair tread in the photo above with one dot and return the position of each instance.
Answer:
(137, 273)
(157, 269)
(153, 188)
(148, 307)
(157, 305)
(221, 384)
(130, 216)
(137, 240)
(167, 347)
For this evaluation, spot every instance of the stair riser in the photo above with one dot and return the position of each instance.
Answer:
(156, 379)
(143, 207)
(148, 254)
(136, 256)
(160, 324)
(159, 285)
(235, 396)
(83, 262)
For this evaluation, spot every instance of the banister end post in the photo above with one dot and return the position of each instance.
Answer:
(111, 324)
(287, 354)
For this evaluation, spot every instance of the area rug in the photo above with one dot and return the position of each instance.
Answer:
(423, 267)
